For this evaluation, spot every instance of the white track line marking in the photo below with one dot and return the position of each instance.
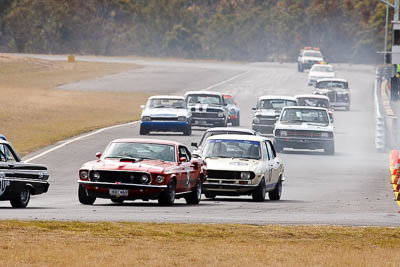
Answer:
(120, 125)
(226, 81)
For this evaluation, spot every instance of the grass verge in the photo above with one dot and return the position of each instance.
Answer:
(34, 115)
(138, 244)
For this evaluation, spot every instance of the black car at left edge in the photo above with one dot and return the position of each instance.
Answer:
(20, 180)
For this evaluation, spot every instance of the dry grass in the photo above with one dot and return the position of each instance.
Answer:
(33, 114)
(138, 244)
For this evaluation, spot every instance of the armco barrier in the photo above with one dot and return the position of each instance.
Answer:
(380, 127)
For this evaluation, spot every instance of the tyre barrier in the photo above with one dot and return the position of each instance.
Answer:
(395, 173)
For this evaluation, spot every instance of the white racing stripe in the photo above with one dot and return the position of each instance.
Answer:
(120, 125)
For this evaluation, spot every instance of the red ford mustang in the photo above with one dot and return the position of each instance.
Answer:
(144, 169)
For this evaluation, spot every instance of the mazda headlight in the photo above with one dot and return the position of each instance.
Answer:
(245, 175)
(146, 118)
(220, 114)
(181, 118)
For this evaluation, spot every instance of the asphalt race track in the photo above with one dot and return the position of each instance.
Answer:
(350, 188)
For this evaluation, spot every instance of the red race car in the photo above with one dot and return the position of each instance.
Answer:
(144, 169)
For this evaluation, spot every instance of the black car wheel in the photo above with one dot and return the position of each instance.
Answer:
(277, 192)
(22, 200)
(167, 197)
(330, 149)
(194, 196)
(236, 122)
(259, 193)
(143, 131)
(83, 196)
(188, 130)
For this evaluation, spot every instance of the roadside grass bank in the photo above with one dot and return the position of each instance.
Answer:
(34, 115)
(43, 243)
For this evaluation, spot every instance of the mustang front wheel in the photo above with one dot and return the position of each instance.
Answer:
(22, 199)
(194, 196)
(167, 197)
(83, 197)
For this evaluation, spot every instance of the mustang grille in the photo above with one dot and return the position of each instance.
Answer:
(118, 176)
(226, 174)
(204, 115)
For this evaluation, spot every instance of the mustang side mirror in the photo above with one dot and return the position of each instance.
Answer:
(98, 155)
(193, 144)
(254, 109)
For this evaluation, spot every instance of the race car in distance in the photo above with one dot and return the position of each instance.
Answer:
(242, 165)
(308, 57)
(337, 90)
(208, 108)
(219, 131)
(20, 180)
(311, 100)
(233, 110)
(304, 128)
(320, 71)
(166, 114)
(144, 169)
(268, 110)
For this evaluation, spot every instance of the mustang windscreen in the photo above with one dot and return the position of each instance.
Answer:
(305, 115)
(140, 151)
(277, 104)
(204, 99)
(166, 103)
(221, 148)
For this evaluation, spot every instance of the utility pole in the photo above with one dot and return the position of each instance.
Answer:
(395, 6)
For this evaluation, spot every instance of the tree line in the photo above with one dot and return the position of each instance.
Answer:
(244, 30)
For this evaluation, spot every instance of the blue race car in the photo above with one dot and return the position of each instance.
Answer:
(166, 114)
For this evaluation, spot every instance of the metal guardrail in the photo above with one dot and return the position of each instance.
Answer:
(380, 127)
(385, 120)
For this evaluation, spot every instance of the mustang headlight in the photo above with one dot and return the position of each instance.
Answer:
(84, 174)
(283, 133)
(245, 175)
(220, 114)
(160, 179)
(96, 176)
(144, 178)
(146, 118)
(256, 120)
(181, 118)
